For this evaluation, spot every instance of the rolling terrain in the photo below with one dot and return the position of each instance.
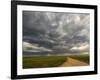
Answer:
(55, 61)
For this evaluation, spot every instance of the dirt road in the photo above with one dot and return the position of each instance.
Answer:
(73, 62)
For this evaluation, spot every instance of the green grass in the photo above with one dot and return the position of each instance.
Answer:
(43, 61)
(50, 61)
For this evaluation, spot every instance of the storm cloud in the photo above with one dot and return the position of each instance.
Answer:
(56, 31)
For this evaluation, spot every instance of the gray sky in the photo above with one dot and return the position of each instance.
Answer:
(53, 30)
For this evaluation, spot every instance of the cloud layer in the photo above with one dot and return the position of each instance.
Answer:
(56, 31)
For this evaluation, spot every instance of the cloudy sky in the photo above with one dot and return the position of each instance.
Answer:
(56, 31)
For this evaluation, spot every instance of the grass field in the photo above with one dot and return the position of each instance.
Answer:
(50, 61)
(43, 61)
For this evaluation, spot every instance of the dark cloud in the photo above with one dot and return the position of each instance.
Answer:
(56, 30)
